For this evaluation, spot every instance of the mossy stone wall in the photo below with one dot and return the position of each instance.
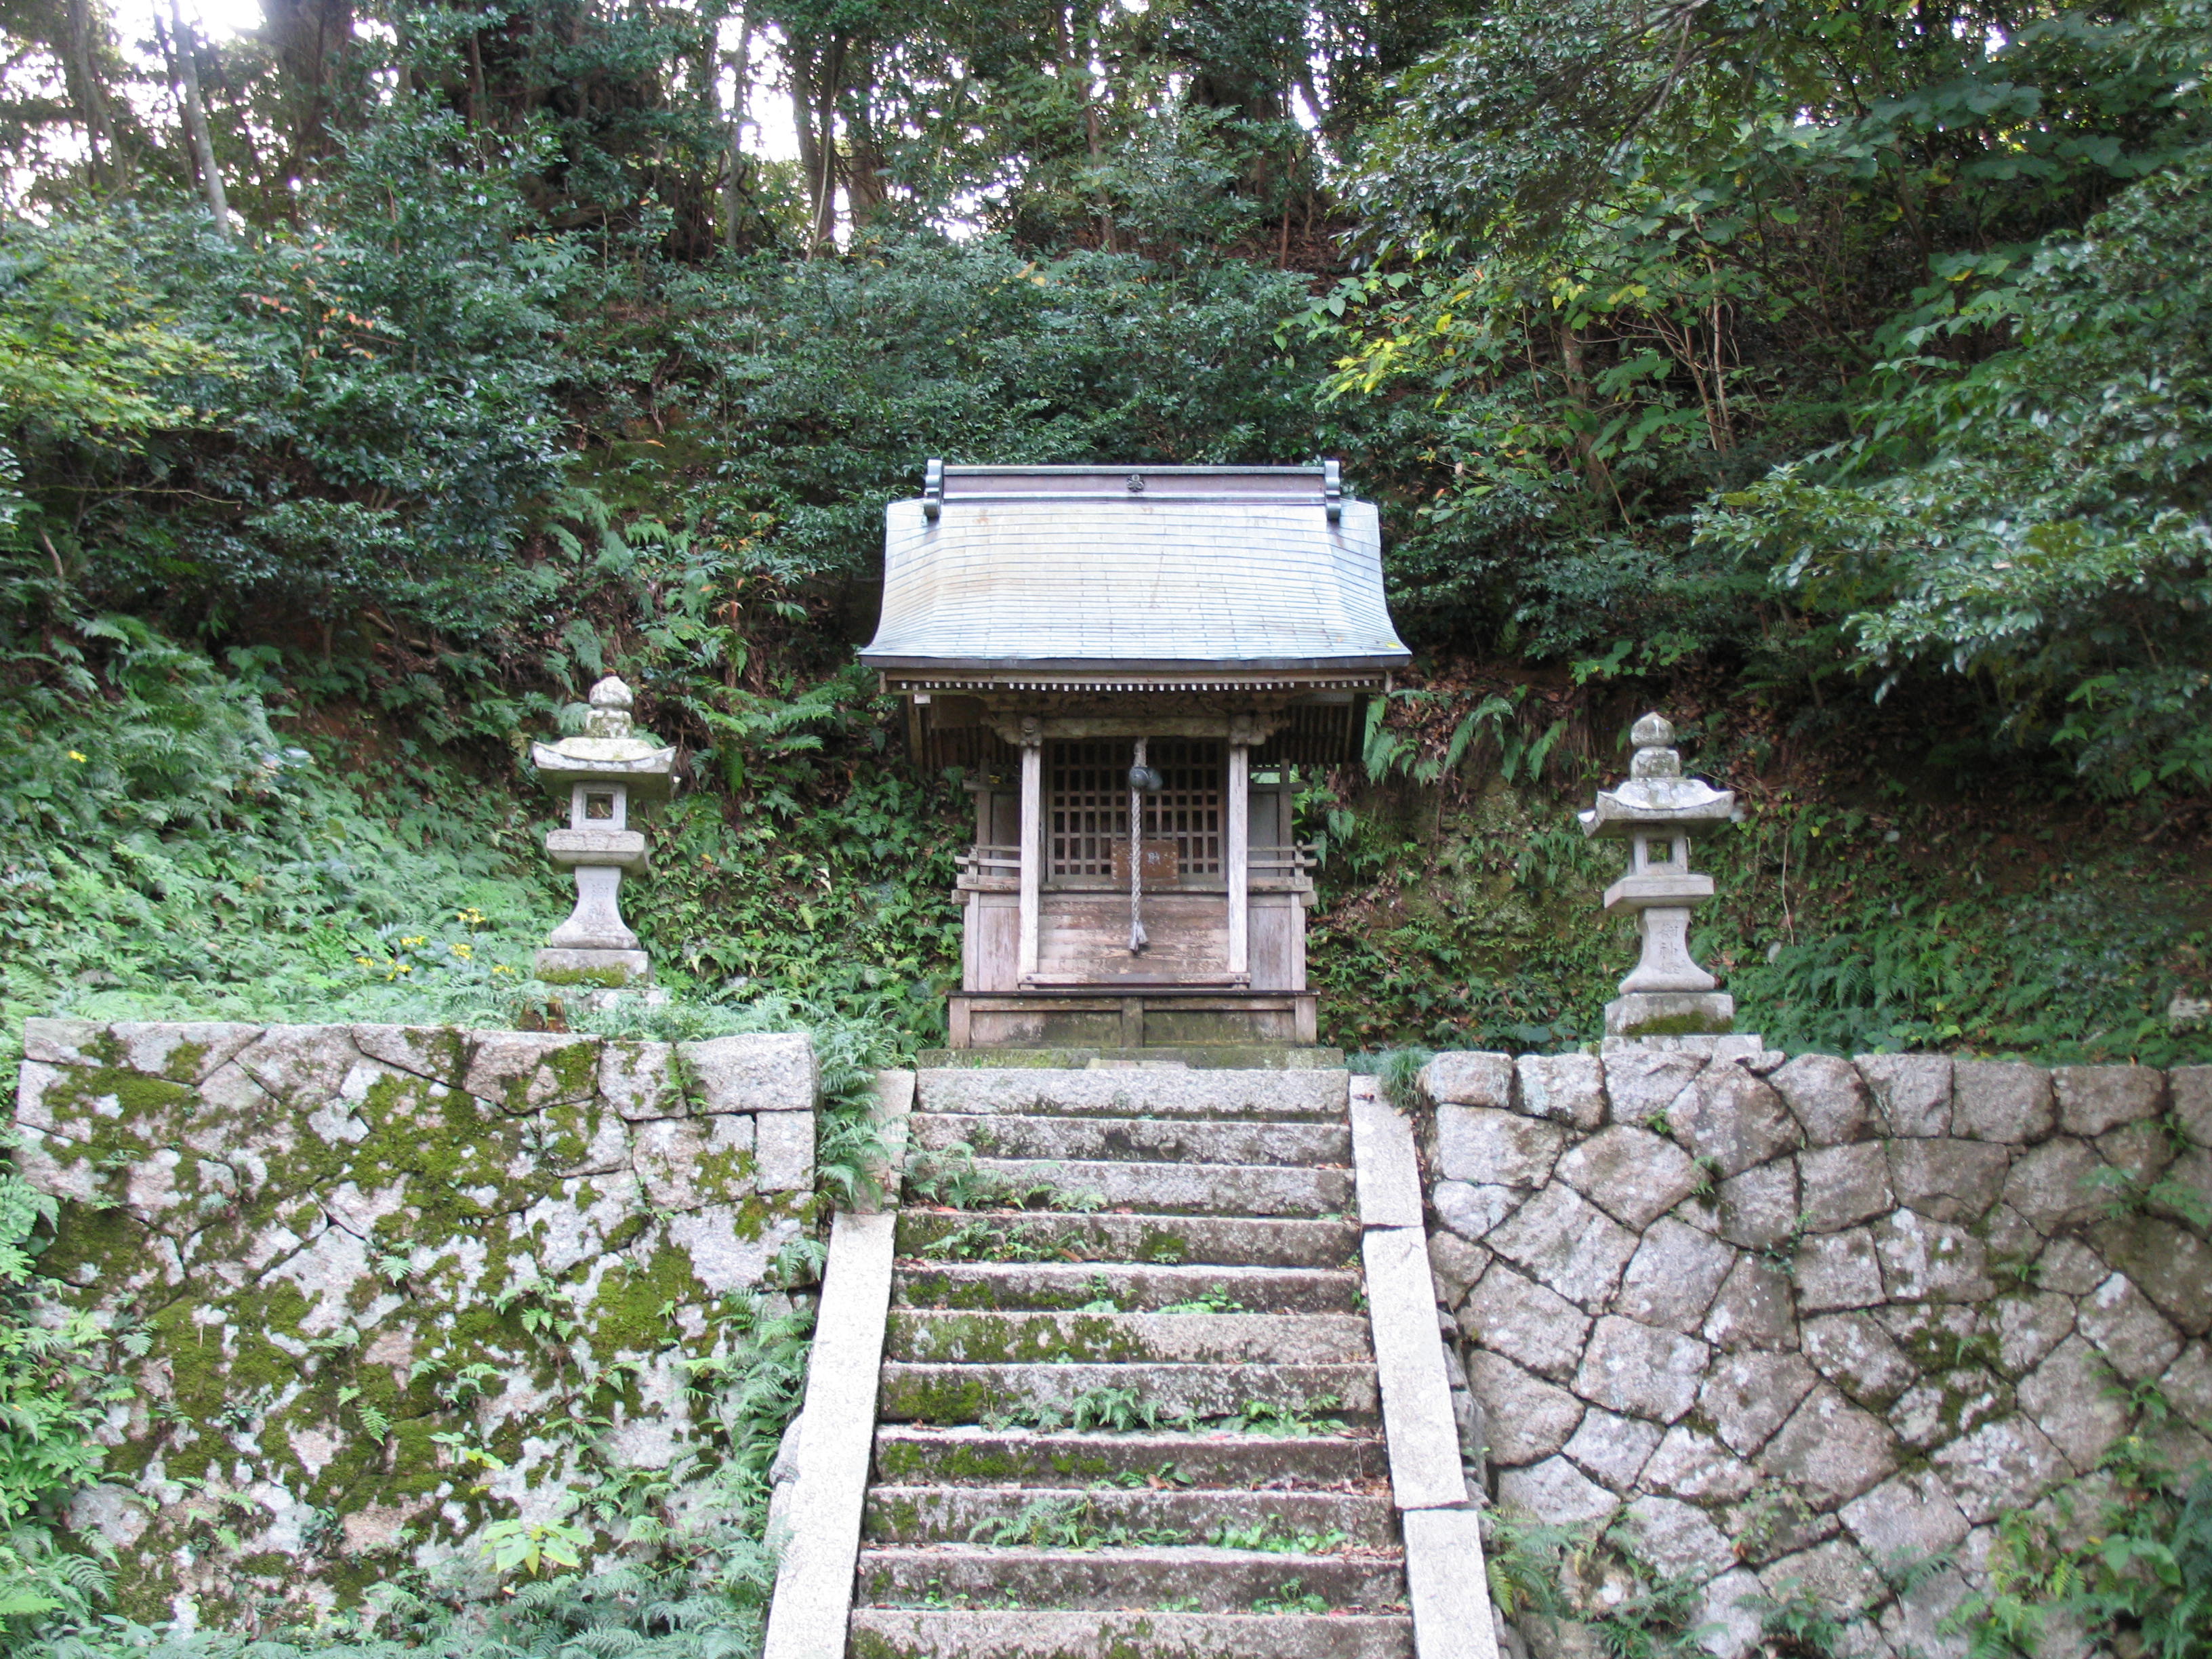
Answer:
(1818, 1327)
(375, 1287)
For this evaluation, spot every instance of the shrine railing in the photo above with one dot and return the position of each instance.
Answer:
(994, 868)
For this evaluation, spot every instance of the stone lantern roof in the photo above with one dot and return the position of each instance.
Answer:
(607, 752)
(1657, 794)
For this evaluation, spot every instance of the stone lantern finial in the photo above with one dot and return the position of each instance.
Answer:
(1666, 994)
(604, 774)
(611, 702)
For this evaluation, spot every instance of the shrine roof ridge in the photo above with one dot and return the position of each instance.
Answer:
(1173, 570)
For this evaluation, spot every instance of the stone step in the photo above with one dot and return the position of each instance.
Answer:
(889, 1633)
(1058, 1517)
(1074, 1284)
(1229, 1189)
(923, 1392)
(1149, 1140)
(1032, 1234)
(1314, 1095)
(936, 1456)
(1216, 1580)
(1000, 1338)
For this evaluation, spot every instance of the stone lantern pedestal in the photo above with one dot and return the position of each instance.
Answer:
(605, 775)
(1668, 993)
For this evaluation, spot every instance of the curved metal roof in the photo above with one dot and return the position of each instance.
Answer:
(1253, 567)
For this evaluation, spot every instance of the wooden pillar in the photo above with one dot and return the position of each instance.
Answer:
(1236, 859)
(1032, 847)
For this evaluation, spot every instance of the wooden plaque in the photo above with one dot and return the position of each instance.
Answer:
(1162, 867)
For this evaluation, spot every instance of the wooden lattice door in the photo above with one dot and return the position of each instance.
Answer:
(1087, 814)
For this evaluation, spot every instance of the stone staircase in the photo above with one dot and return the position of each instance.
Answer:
(1146, 1422)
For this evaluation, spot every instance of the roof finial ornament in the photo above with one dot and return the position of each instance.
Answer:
(611, 702)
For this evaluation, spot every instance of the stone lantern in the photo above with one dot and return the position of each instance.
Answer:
(1668, 994)
(605, 774)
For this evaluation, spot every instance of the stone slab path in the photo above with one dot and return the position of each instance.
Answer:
(1154, 1429)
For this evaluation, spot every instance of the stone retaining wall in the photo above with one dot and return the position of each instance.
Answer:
(1794, 1324)
(376, 1286)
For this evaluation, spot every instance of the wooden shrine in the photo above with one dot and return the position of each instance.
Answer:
(1130, 665)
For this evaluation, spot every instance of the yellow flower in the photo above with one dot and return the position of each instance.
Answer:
(366, 961)
(463, 951)
(414, 940)
(501, 968)
(472, 916)
(78, 758)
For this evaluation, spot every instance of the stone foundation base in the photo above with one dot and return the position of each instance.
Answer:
(1670, 1013)
(558, 967)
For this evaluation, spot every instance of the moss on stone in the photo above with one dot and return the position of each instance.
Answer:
(183, 1065)
(939, 1400)
(78, 1088)
(1162, 1245)
(632, 1311)
(1686, 1024)
(989, 1339)
(253, 1399)
(575, 1068)
(98, 1237)
(607, 979)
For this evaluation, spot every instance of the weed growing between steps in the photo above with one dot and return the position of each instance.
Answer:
(1293, 1599)
(924, 1237)
(1272, 1537)
(1166, 1478)
(978, 1241)
(950, 1178)
(1124, 1411)
(1213, 1301)
(1094, 1410)
(1070, 1521)
(1066, 1522)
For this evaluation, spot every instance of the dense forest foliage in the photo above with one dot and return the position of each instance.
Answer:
(1837, 376)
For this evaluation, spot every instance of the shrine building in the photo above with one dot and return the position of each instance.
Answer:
(1131, 666)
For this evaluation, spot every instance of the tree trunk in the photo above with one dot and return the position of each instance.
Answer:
(1081, 47)
(733, 177)
(830, 73)
(196, 121)
(1578, 391)
(866, 186)
(814, 77)
(309, 37)
(91, 100)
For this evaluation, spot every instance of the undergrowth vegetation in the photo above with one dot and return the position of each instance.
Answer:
(1856, 910)
(2128, 1569)
(1834, 379)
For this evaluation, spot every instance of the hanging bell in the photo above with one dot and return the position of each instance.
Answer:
(1146, 780)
